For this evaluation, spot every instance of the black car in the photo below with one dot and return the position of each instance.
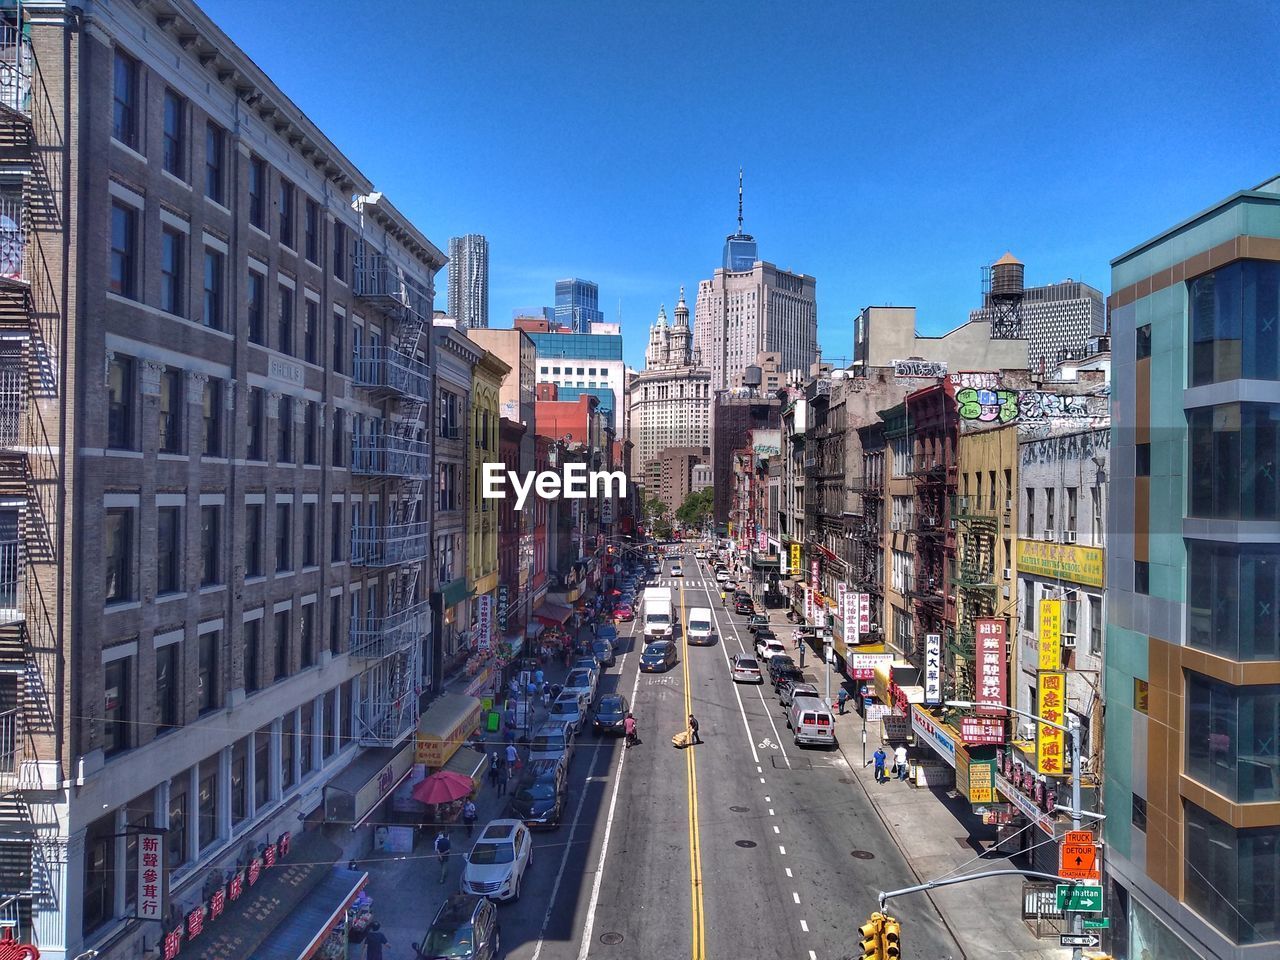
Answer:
(658, 657)
(779, 662)
(465, 928)
(757, 621)
(765, 633)
(741, 605)
(740, 595)
(609, 714)
(607, 631)
(541, 794)
(785, 675)
(603, 651)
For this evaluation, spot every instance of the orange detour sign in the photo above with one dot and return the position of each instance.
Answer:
(1078, 857)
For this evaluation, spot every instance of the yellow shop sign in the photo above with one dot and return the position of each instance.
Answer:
(1062, 561)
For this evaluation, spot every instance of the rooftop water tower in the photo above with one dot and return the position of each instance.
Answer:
(1005, 297)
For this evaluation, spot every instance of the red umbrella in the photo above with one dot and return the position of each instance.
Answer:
(443, 787)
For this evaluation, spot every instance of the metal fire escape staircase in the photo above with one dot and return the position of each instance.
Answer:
(396, 460)
(974, 577)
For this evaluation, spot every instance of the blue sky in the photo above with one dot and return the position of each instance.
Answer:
(890, 149)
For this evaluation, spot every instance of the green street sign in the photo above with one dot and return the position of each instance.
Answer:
(1079, 898)
(1102, 923)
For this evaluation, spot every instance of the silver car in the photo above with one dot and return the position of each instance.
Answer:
(552, 741)
(568, 709)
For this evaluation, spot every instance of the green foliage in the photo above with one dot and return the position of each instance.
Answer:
(696, 509)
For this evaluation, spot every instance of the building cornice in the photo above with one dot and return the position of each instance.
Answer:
(379, 209)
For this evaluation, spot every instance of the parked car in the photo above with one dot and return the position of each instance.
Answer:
(582, 681)
(756, 621)
(811, 722)
(609, 714)
(541, 793)
(788, 690)
(623, 613)
(768, 647)
(608, 632)
(586, 662)
(496, 865)
(722, 576)
(783, 675)
(743, 606)
(569, 709)
(551, 741)
(603, 651)
(745, 669)
(765, 633)
(699, 554)
(658, 657)
(465, 928)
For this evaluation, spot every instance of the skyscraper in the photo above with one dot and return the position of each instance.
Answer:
(469, 280)
(739, 248)
(578, 304)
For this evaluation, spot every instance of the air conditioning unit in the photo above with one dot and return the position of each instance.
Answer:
(1026, 730)
(1049, 536)
(895, 525)
(1008, 506)
(1068, 536)
(1068, 641)
(963, 504)
(1005, 591)
(1008, 574)
(953, 523)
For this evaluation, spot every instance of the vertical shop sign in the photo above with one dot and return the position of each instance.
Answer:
(933, 668)
(1050, 634)
(991, 636)
(1052, 687)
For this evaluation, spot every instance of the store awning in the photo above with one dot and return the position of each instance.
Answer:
(305, 930)
(445, 726)
(454, 592)
(553, 614)
(764, 561)
(351, 796)
(469, 763)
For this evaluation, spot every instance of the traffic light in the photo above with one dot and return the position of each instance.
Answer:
(872, 933)
(892, 937)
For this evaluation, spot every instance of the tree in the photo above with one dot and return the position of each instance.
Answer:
(696, 509)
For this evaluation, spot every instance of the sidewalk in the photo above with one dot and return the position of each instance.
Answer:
(937, 836)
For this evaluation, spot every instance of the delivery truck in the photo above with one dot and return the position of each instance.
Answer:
(657, 612)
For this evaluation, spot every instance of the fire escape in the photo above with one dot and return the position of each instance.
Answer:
(929, 525)
(867, 532)
(974, 577)
(31, 154)
(393, 460)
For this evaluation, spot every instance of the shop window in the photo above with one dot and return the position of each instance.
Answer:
(176, 846)
(239, 781)
(1227, 874)
(99, 873)
(261, 769)
(207, 802)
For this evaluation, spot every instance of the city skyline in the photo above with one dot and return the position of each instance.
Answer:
(878, 130)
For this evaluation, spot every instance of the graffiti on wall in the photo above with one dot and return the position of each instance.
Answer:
(977, 379)
(919, 369)
(1086, 443)
(987, 406)
(1040, 405)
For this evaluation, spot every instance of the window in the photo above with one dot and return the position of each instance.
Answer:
(338, 440)
(99, 872)
(344, 704)
(116, 712)
(1050, 521)
(168, 714)
(207, 694)
(284, 206)
(339, 344)
(253, 540)
(210, 546)
(335, 624)
(1142, 466)
(1235, 447)
(211, 404)
(126, 115)
(207, 803)
(1141, 696)
(282, 645)
(1073, 496)
(214, 160)
(329, 713)
(284, 537)
(1139, 816)
(1234, 335)
(309, 534)
(311, 332)
(140, 813)
(310, 434)
(340, 250)
(124, 251)
(1144, 341)
(258, 192)
(254, 417)
(288, 748)
(257, 294)
(307, 635)
(173, 404)
(1099, 531)
(307, 724)
(1228, 875)
(1141, 577)
(211, 311)
(1233, 599)
(168, 550)
(171, 250)
(118, 555)
(1031, 512)
(284, 430)
(175, 133)
(239, 781)
(311, 231)
(1095, 625)
(176, 836)
(261, 768)
(284, 322)
(253, 655)
(1028, 605)
(335, 531)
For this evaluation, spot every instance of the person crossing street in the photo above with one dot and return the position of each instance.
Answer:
(694, 737)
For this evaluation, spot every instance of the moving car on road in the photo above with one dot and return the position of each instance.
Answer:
(540, 795)
(745, 670)
(498, 860)
(658, 657)
(465, 928)
(624, 613)
(609, 714)
(677, 570)
(700, 631)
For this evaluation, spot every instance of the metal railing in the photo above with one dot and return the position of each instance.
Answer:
(378, 278)
(387, 455)
(926, 587)
(10, 581)
(388, 544)
(13, 403)
(13, 235)
(927, 465)
(385, 368)
(373, 638)
(10, 741)
(15, 69)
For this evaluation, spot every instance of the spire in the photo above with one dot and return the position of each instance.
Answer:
(662, 316)
(739, 204)
(682, 311)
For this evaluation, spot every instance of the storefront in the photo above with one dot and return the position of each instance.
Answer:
(942, 742)
(445, 726)
(552, 614)
(353, 796)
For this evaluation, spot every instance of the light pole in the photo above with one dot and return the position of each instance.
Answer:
(1072, 728)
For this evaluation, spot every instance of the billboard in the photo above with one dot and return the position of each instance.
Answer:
(1062, 561)
(1051, 688)
(933, 668)
(991, 638)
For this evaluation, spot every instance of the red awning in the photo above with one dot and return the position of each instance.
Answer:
(553, 613)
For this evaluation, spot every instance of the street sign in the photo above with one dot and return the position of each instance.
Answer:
(1089, 940)
(1080, 898)
(1102, 923)
(1078, 857)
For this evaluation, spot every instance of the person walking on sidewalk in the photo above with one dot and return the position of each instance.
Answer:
(442, 847)
(843, 698)
(504, 777)
(374, 941)
(900, 761)
(469, 815)
(495, 768)
(513, 756)
(693, 730)
(880, 757)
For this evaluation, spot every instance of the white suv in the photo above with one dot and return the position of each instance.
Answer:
(497, 862)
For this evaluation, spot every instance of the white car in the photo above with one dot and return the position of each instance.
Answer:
(700, 555)
(676, 571)
(745, 670)
(569, 709)
(581, 682)
(722, 576)
(765, 649)
(497, 862)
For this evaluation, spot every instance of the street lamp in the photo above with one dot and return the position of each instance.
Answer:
(1072, 728)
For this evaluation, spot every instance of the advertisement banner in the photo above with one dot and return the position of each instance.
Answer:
(991, 636)
(606, 510)
(484, 622)
(762, 540)
(1051, 687)
(976, 730)
(783, 567)
(795, 558)
(849, 613)
(1062, 561)
(864, 613)
(504, 606)
(815, 575)
(842, 589)
(1050, 634)
(933, 668)
(982, 781)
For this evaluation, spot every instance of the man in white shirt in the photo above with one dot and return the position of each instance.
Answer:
(900, 761)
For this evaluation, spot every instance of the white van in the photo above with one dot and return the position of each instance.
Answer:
(700, 627)
(811, 722)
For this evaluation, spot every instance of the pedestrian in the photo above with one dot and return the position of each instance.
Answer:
(513, 757)
(880, 757)
(469, 815)
(694, 736)
(495, 766)
(629, 728)
(504, 777)
(374, 941)
(531, 690)
(442, 846)
(843, 698)
(546, 692)
(538, 677)
(900, 761)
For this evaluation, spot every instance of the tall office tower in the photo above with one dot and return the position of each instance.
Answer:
(750, 306)
(671, 398)
(1057, 320)
(578, 304)
(584, 363)
(1192, 778)
(469, 280)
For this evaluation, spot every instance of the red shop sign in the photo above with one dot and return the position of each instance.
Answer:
(11, 949)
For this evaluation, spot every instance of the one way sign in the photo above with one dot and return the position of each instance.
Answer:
(1088, 940)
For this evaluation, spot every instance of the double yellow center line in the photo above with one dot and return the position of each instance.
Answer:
(699, 949)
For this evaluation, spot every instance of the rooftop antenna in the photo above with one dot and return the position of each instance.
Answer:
(739, 201)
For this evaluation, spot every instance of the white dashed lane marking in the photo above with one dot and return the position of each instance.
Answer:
(804, 925)
(782, 850)
(775, 829)
(788, 869)
(795, 896)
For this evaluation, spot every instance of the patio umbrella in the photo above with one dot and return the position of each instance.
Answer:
(443, 787)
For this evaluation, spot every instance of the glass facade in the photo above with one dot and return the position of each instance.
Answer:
(1231, 876)
(577, 305)
(1234, 333)
(577, 346)
(1233, 451)
(1233, 599)
(740, 253)
(1232, 738)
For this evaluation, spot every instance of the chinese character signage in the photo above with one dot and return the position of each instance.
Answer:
(1050, 748)
(762, 539)
(841, 589)
(795, 558)
(815, 575)
(990, 638)
(606, 510)
(1062, 561)
(1050, 634)
(849, 613)
(982, 781)
(484, 621)
(864, 613)
(933, 668)
(150, 876)
(504, 606)
(975, 730)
